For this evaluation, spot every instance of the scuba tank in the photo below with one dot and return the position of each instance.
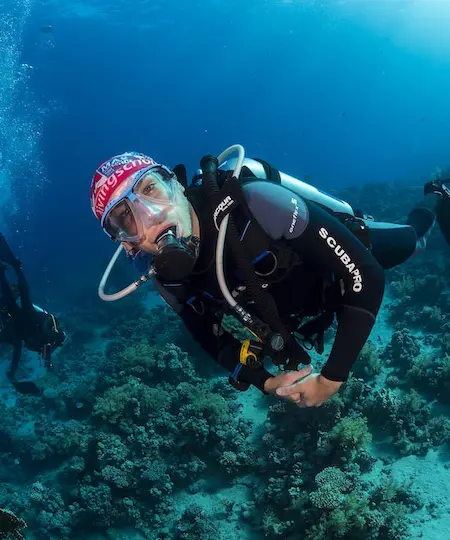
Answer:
(355, 220)
(263, 171)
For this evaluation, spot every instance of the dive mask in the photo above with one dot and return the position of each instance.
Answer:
(151, 194)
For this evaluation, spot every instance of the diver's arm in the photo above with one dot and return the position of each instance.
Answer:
(205, 328)
(320, 238)
(6, 255)
(25, 299)
(7, 300)
(17, 353)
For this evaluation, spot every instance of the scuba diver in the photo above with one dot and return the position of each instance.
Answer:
(24, 323)
(281, 256)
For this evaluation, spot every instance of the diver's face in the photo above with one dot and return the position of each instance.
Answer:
(148, 208)
(178, 216)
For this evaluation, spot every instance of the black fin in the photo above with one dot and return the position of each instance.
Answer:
(443, 217)
(27, 387)
(180, 171)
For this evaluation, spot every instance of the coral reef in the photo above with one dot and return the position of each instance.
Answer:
(136, 427)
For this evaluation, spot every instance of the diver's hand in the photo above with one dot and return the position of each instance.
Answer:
(284, 380)
(312, 391)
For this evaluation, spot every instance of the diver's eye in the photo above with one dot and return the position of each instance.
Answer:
(148, 188)
(125, 219)
(125, 216)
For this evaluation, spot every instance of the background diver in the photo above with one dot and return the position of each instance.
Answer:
(24, 323)
(247, 239)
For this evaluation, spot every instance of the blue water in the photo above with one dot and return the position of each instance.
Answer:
(319, 89)
(343, 93)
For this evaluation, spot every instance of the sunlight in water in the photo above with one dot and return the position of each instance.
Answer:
(421, 25)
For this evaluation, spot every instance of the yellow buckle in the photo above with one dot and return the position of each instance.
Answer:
(245, 353)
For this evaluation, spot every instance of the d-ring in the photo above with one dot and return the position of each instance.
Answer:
(272, 270)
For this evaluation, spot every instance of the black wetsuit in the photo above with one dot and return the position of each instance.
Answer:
(23, 324)
(333, 267)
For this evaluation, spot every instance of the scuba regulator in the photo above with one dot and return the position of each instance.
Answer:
(175, 258)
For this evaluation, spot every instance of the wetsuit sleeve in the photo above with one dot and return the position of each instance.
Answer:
(25, 299)
(15, 263)
(321, 239)
(17, 353)
(7, 295)
(205, 327)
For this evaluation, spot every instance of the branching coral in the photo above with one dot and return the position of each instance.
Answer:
(331, 484)
(195, 523)
(133, 399)
(369, 363)
(401, 351)
(350, 433)
(152, 428)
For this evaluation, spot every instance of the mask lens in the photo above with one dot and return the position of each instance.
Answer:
(121, 222)
(156, 185)
(151, 196)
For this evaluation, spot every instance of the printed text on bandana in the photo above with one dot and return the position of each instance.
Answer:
(110, 176)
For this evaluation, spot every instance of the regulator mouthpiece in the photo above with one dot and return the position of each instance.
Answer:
(176, 257)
